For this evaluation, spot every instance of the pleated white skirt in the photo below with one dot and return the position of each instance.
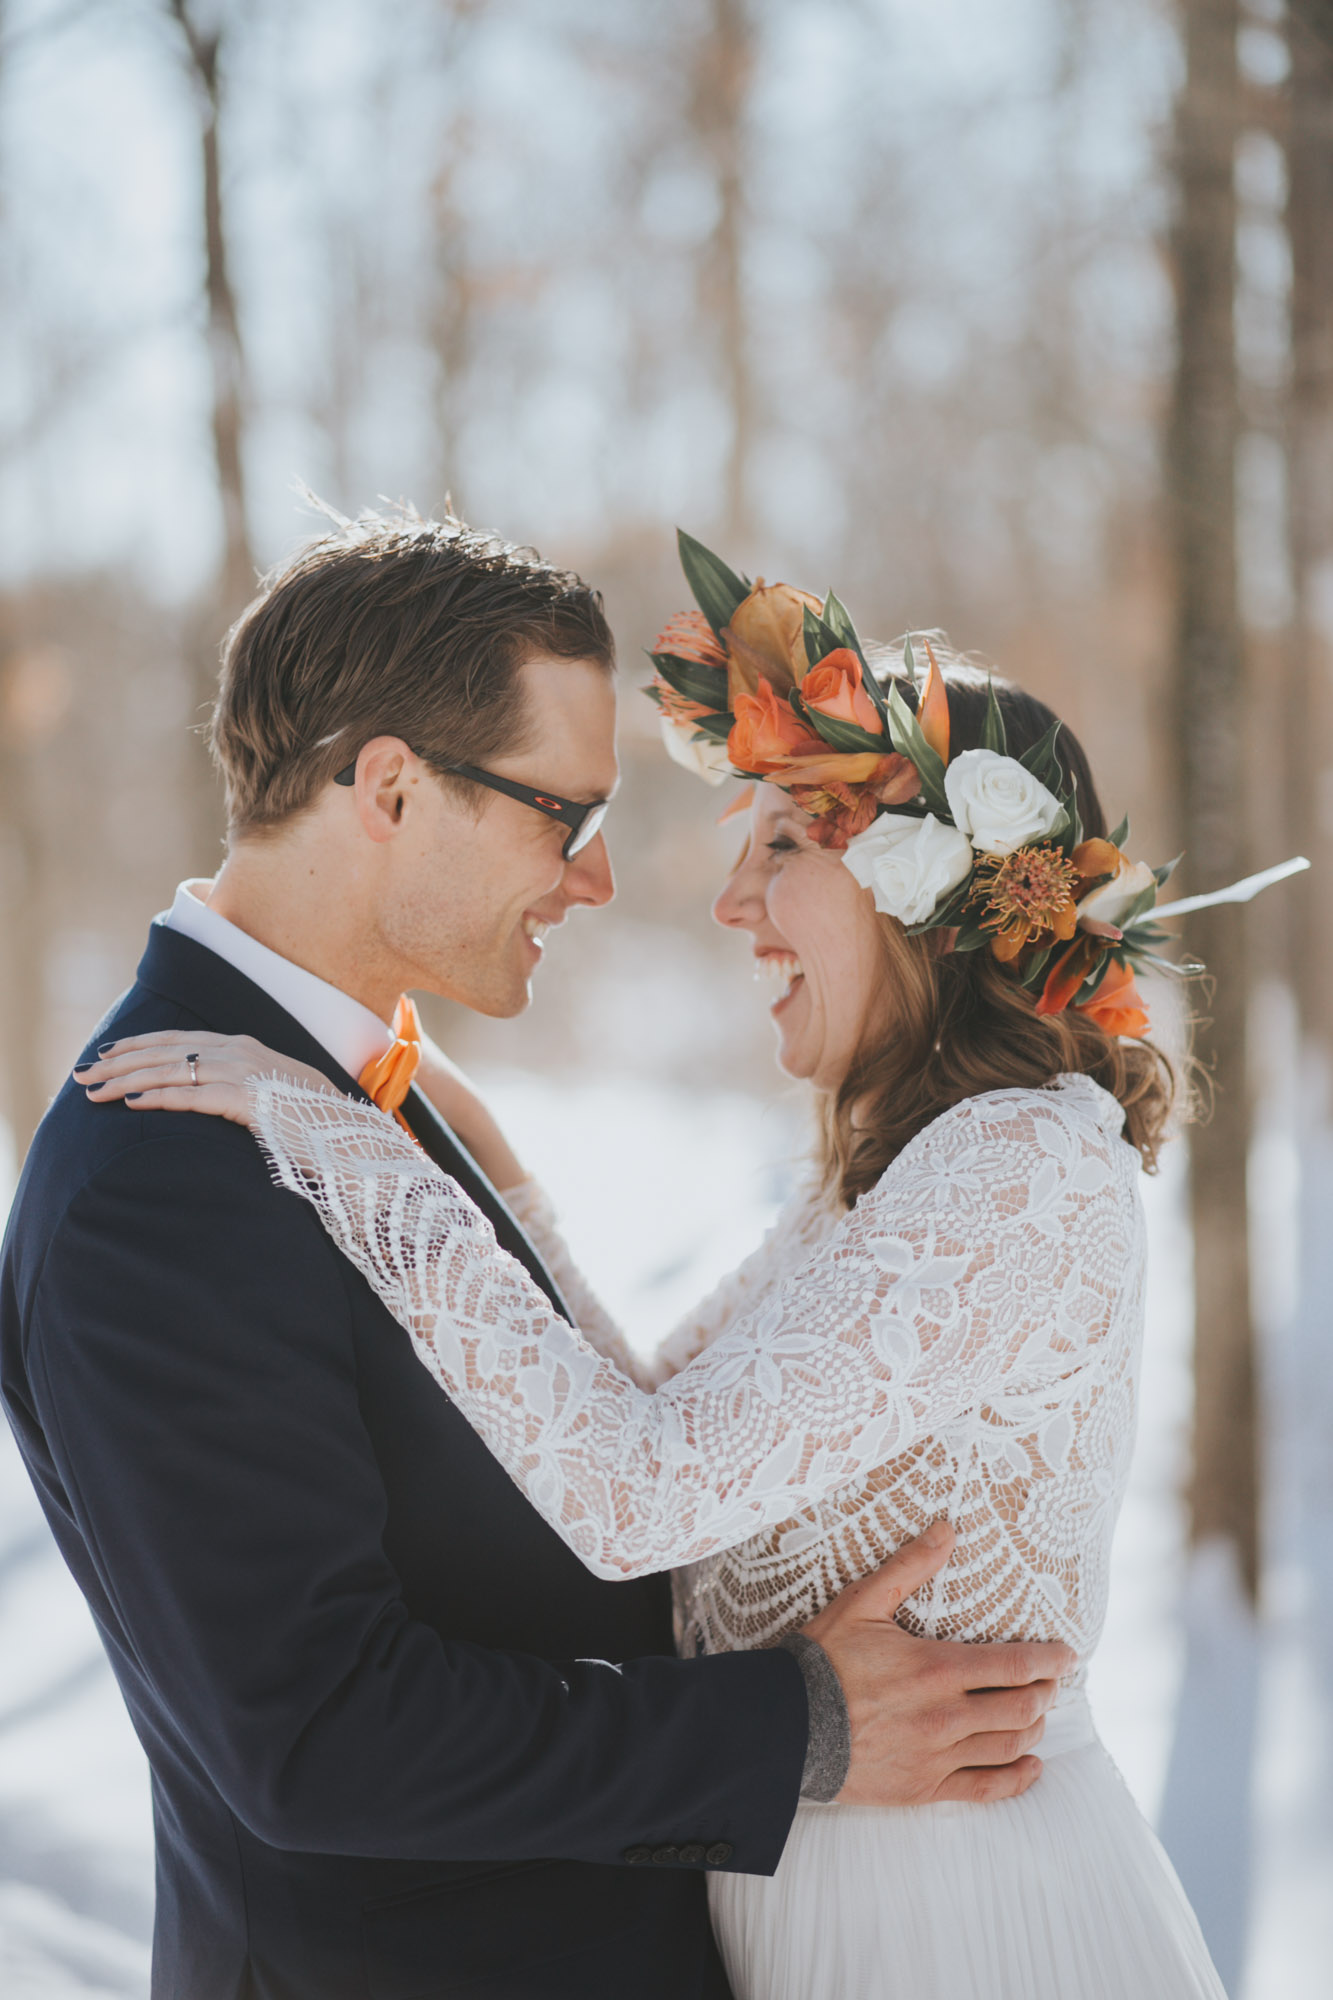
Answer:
(1063, 1894)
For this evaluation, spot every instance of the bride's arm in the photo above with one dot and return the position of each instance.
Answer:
(155, 1069)
(467, 1114)
(950, 1286)
(712, 1314)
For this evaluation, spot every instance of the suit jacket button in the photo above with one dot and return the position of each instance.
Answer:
(720, 1851)
(664, 1856)
(693, 1853)
(636, 1856)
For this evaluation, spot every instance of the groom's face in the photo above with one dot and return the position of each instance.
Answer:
(475, 893)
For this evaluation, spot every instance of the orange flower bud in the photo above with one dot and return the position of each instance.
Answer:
(932, 709)
(834, 688)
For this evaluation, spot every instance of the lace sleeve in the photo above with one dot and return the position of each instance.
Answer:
(964, 1289)
(704, 1321)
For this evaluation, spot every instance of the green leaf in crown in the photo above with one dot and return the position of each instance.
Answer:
(718, 591)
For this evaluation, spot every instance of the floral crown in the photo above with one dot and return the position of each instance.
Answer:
(765, 682)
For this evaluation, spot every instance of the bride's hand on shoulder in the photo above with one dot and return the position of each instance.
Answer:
(174, 1071)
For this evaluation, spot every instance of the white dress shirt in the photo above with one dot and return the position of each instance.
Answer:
(350, 1032)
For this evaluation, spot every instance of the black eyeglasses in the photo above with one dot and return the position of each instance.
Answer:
(584, 821)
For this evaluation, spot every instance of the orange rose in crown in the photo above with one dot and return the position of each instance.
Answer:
(834, 688)
(842, 790)
(768, 734)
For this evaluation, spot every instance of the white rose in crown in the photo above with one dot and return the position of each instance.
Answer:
(909, 865)
(998, 804)
(1111, 903)
(705, 759)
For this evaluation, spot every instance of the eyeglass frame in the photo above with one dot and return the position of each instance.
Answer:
(582, 817)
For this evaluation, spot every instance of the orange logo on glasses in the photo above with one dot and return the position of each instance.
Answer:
(552, 805)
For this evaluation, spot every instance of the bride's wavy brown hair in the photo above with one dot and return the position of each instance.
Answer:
(962, 1024)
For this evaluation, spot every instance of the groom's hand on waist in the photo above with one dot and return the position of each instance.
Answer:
(927, 1719)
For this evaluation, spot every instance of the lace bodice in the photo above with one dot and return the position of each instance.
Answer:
(963, 1342)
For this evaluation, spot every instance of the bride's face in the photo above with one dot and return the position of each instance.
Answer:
(815, 930)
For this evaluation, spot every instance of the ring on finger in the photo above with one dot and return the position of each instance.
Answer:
(192, 1064)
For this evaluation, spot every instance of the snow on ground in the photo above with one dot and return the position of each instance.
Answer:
(660, 1191)
(76, 1845)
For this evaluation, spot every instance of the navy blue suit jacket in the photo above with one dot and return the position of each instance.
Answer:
(388, 1759)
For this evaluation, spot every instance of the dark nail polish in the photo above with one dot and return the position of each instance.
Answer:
(131, 1094)
(82, 1069)
(106, 1048)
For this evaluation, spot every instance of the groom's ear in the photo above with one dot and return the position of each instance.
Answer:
(387, 773)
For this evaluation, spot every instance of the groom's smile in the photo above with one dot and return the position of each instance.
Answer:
(412, 879)
(488, 878)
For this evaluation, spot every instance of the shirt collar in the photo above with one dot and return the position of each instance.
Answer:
(351, 1033)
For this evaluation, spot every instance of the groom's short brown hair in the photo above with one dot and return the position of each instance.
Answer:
(389, 625)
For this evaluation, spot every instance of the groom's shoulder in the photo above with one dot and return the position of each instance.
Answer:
(77, 1136)
(147, 1159)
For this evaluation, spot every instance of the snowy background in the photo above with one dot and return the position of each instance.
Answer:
(864, 292)
(661, 1191)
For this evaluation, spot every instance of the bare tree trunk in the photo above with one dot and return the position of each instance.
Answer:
(1211, 766)
(452, 315)
(235, 579)
(452, 307)
(1205, 1818)
(721, 96)
(1309, 700)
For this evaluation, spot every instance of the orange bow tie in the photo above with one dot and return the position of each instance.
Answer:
(387, 1080)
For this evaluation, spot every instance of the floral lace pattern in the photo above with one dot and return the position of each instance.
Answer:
(784, 1247)
(964, 1341)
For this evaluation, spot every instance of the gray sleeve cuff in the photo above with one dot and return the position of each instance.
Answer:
(828, 1752)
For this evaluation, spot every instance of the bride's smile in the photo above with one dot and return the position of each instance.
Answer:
(815, 932)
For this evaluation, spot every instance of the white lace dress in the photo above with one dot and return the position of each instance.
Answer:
(964, 1342)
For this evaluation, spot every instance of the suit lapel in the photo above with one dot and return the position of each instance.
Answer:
(189, 975)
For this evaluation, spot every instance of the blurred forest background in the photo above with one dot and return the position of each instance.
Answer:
(1016, 320)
